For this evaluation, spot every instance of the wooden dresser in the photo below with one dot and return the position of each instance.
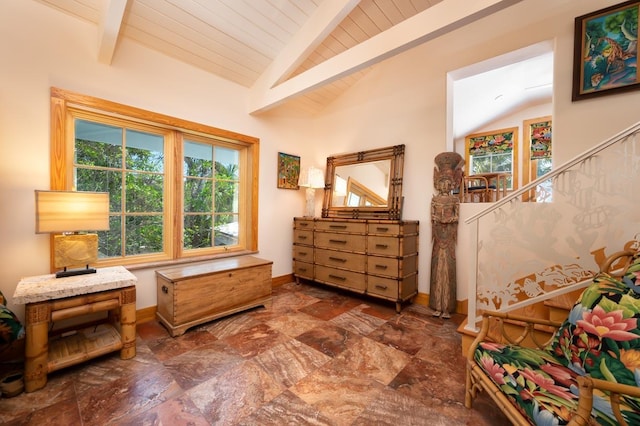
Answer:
(369, 256)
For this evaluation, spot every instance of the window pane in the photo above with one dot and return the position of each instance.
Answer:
(543, 166)
(143, 234)
(198, 159)
(144, 192)
(98, 144)
(110, 242)
(102, 181)
(226, 197)
(197, 231)
(226, 230)
(501, 162)
(198, 195)
(480, 164)
(227, 163)
(145, 151)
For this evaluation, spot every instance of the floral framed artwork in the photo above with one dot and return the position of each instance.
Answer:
(606, 51)
(288, 171)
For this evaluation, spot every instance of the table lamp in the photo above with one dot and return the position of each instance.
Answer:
(68, 213)
(312, 178)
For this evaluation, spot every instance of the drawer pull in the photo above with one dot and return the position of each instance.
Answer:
(336, 277)
(338, 241)
(302, 237)
(303, 224)
(302, 269)
(302, 253)
(383, 267)
(337, 259)
(338, 226)
(381, 287)
(382, 246)
(382, 229)
(165, 289)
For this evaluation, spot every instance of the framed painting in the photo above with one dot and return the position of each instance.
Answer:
(288, 171)
(605, 53)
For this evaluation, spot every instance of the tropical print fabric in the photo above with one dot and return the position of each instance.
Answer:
(599, 338)
(10, 327)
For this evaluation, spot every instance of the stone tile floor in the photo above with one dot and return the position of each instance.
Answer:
(316, 357)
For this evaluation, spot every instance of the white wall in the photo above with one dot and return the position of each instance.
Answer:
(402, 100)
(41, 48)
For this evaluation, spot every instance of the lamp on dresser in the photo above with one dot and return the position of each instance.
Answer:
(311, 178)
(70, 214)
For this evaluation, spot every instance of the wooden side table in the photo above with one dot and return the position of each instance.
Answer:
(49, 299)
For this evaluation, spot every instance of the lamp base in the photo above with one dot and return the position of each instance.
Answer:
(310, 205)
(74, 272)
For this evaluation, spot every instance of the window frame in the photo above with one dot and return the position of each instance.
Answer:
(67, 105)
(515, 166)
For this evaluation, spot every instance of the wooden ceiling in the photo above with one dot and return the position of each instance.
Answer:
(273, 47)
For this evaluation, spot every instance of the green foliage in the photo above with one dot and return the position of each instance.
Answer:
(136, 192)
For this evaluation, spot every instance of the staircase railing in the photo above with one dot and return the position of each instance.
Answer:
(548, 237)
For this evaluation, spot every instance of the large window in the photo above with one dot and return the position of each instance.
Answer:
(493, 152)
(177, 189)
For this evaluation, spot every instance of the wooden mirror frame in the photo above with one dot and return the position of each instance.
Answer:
(393, 209)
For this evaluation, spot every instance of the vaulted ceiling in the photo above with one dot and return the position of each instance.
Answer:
(303, 51)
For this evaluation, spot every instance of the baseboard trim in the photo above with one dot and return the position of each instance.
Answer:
(282, 280)
(462, 306)
(146, 314)
(149, 314)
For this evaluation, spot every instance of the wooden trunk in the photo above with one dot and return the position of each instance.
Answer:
(194, 294)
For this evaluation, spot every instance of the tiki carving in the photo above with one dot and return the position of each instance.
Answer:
(447, 176)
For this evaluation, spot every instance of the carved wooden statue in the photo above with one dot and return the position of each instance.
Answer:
(447, 176)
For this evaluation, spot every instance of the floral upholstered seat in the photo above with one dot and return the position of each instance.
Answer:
(600, 338)
(10, 326)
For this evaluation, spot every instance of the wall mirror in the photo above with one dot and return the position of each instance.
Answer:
(365, 184)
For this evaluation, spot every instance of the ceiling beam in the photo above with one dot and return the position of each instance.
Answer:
(318, 27)
(435, 21)
(109, 29)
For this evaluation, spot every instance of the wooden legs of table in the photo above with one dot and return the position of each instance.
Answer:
(128, 323)
(43, 356)
(36, 345)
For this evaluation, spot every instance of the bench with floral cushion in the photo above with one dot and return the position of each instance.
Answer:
(11, 328)
(588, 372)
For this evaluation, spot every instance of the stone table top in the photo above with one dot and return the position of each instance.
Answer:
(48, 287)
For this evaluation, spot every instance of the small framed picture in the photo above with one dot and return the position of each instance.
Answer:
(288, 171)
(605, 56)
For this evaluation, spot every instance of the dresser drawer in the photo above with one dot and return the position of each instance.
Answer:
(340, 259)
(303, 253)
(303, 237)
(303, 269)
(385, 287)
(337, 226)
(384, 229)
(392, 246)
(345, 242)
(303, 224)
(394, 267)
(389, 246)
(346, 279)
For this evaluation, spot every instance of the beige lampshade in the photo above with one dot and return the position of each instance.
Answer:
(312, 177)
(71, 211)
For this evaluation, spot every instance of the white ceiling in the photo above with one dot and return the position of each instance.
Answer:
(304, 52)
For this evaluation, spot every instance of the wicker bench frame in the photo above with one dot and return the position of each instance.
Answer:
(537, 333)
